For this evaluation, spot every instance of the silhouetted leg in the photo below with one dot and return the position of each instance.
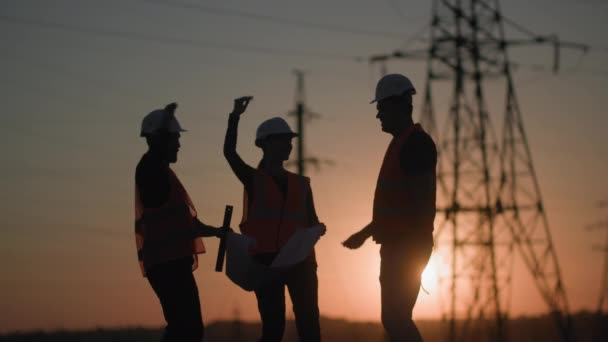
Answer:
(400, 273)
(176, 289)
(303, 287)
(271, 304)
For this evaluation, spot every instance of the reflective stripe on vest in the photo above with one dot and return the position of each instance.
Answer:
(156, 228)
(272, 217)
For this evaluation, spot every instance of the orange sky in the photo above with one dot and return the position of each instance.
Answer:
(74, 100)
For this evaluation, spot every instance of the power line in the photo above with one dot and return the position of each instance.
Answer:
(322, 26)
(70, 74)
(175, 41)
(396, 9)
(417, 35)
(278, 20)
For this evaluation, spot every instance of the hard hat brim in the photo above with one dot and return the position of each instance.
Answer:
(151, 134)
(259, 140)
(411, 92)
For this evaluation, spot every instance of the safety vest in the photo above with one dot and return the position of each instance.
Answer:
(393, 195)
(272, 217)
(157, 230)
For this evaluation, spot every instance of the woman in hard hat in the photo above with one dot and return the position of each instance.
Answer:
(276, 204)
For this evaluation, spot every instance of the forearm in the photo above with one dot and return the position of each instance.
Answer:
(242, 171)
(169, 236)
(368, 230)
(231, 138)
(358, 239)
(205, 230)
(313, 219)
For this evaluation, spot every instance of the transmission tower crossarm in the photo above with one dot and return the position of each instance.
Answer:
(303, 115)
(552, 39)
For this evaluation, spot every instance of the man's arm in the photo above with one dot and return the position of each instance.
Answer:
(312, 212)
(358, 239)
(199, 229)
(242, 171)
(205, 230)
(418, 160)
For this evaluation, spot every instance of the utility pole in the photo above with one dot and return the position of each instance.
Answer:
(603, 294)
(299, 112)
(488, 191)
(602, 304)
(303, 114)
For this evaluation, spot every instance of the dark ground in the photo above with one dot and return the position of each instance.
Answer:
(523, 329)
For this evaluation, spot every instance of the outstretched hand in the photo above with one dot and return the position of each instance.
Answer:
(240, 104)
(355, 241)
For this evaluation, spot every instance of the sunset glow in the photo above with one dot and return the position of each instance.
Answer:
(79, 77)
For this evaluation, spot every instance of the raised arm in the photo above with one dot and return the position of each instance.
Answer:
(243, 171)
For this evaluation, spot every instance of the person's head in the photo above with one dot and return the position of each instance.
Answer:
(164, 145)
(274, 137)
(162, 132)
(394, 102)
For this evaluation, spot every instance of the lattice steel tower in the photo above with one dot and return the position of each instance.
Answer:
(491, 198)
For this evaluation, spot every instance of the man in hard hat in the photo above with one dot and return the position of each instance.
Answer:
(167, 230)
(404, 207)
(277, 203)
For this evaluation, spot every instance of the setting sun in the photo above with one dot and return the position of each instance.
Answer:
(430, 276)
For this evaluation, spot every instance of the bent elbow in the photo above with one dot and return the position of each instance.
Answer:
(229, 153)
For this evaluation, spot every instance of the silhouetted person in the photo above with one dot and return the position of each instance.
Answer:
(277, 203)
(404, 207)
(167, 230)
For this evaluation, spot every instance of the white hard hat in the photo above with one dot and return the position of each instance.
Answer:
(273, 126)
(393, 85)
(153, 121)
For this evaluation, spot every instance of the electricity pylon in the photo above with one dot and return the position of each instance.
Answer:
(303, 114)
(602, 304)
(489, 197)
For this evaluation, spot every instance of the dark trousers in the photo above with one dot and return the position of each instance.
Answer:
(401, 267)
(302, 284)
(176, 289)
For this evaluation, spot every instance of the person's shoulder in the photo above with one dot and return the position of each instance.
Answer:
(299, 178)
(148, 168)
(419, 153)
(145, 163)
(419, 142)
(421, 138)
